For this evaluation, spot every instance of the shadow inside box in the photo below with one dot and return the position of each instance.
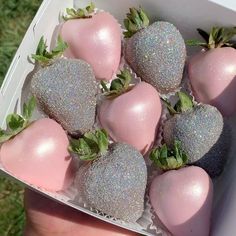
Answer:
(224, 187)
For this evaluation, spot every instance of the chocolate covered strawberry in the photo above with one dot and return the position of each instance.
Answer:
(156, 52)
(94, 37)
(201, 130)
(181, 198)
(66, 90)
(114, 178)
(131, 113)
(36, 152)
(212, 71)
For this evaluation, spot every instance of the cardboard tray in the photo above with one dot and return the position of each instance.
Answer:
(187, 15)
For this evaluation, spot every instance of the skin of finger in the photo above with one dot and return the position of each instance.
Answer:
(45, 217)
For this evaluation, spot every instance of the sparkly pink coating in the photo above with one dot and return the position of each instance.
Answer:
(96, 40)
(182, 199)
(39, 156)
(212, 76)
(133, 117)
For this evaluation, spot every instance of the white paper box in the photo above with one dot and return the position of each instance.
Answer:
(187, 15)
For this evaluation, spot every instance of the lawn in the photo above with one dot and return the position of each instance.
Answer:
(15, 17)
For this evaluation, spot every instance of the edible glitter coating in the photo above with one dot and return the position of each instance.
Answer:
(157, 54)
(66, 91)
(115, 183)
(203, 135)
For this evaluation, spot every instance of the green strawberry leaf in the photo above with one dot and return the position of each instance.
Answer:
(171, 109)
(17, 123)
(119, 85)
(204, 34)
(44, 57)
(60, 47)
(184, 103)
(90, 8)
(104, 86)
(90, 146)
(80, 13)
(135, 20)
(169, 159)
(218, 37)
(195, 42)
(28, 108)
(102, 137)
(42, 47)
(4, 136)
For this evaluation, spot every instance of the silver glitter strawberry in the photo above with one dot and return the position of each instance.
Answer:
(114, 181)
(66, 90)
(155, 52)
(204, 136)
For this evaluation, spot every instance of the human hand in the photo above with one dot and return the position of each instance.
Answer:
(45, 217)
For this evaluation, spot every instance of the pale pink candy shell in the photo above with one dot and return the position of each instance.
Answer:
(182, 199)
(96, 40)
(133, 117)
(39, 156)
(213, 78)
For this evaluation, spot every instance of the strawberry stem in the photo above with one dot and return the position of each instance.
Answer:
(217, 38)
(46, 58)
(81, 13)
(91, 145)
(119, 85)
(184, 103)
(169, 159)
(136, 20)
(17, 123)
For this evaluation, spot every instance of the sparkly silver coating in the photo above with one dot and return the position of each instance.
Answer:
(115, 183)
(157, 54)
(66, 91)
(204, 137)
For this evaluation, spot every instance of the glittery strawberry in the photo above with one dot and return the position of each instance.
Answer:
(113, 178)
(131, 113)
(65, 89)
(181, 198)
(156, 52)
(94, 37)
(212, 71)
(201, 130)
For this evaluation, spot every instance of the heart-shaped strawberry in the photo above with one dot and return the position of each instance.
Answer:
(36, 152)
(156, 52)
(204, 135)
(182, 199)
(131, 114)
(94, 38)
(212, 72)
(66, 90)
(115, 182)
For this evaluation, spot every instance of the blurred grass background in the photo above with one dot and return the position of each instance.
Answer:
(15, 17)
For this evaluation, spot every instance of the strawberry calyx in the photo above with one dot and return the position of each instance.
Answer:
(169, 159)
(184, 103)
(119, 85)
(91, 145)
(17, 123)
(217, 38)
(136, 20)
(46, 58)
(80, 13)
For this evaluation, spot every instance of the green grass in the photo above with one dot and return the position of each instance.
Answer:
(15, 17)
